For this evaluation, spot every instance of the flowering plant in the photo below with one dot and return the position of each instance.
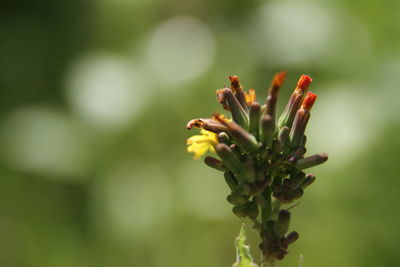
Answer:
(261, 156)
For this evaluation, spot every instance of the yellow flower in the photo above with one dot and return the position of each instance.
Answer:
(200, 144)
(250, 96)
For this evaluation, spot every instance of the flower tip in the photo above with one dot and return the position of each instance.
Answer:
(190, 124)
(309, 100)
(234, 79)
(235, 83)
(324, 156)
(304, 82)
(279, 78)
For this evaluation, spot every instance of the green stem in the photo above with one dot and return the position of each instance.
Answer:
(276, 208)
(266, 209)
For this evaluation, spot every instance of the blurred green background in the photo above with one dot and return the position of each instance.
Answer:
(94, 98)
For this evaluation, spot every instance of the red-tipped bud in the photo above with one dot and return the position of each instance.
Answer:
(272, 98)
(295, 101)
(234, 81)
(304, 82)
(238, 91)
(309, 101)
(278, 80)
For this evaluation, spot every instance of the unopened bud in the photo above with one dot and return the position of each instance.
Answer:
(249, 171)
(236, 199)
(298, 193)
(282, 223)
(228, 157)
(242, 137)
(296, 180)
(298, 128)
(295, 101)
(310, 178)
(311, 161)
(238, 91)
(297, 154)
(283, 136)
(214, 163)
(254, 114)
(243, 189)
(252, 210)
(272, 98)
(267, 129)
(276, 147)
(239, 115)
(231, 180)
(207, 124)
(239, 210)
(224, 138)
(292, 237)
(301, 120)
(309, 101)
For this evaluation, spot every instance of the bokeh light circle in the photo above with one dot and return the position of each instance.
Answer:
(181, 48)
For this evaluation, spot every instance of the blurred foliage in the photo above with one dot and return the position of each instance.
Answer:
(94, 98)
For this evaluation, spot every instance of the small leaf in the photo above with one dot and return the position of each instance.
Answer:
(243, 256)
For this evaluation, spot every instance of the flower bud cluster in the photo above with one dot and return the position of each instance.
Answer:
(262, 156)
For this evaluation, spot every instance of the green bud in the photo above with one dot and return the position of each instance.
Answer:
(249, 172)
(297, 154)
(224, 138)
(231, 180)
(276, 147)
(310, 178)
(252, 209)
(243, 189)
(214, 163)
(239, 115)
(282, 223)
(239, 210)
(311, 161)
(296, 180)
(228, 157)
(267, 129)
(291, 238)
(255, 112)
(243, 138)
(283, 136)
(298, 193)
(236, 199)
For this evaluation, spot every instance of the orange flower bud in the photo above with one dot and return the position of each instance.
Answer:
(309, 101)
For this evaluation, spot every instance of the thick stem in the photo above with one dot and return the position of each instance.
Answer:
(266, 209)
(276, 208)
